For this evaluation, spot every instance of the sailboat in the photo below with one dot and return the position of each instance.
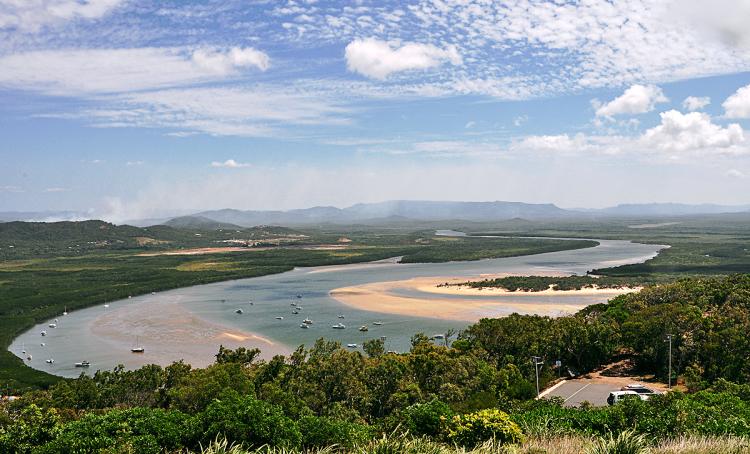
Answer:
(23, 348)
(65, 311)
(82, 364)
(137, 348)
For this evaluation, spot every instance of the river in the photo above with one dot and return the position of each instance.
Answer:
(189, 323)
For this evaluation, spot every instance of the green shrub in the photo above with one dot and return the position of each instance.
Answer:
(248, 421)
(427, 418)
(137, 430)
(318, 432)
(491, 424)
(33, 427)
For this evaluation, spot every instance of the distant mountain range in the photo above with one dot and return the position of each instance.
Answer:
(406, 210)
(399, 211)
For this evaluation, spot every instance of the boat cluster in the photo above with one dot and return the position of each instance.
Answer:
(52, 325)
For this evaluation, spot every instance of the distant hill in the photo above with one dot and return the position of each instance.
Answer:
(199, 223)
(401, 210)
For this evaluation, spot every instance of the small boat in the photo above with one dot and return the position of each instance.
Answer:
(340, 316)
(153, 293)
(106, 306)
(82, 364)
(28, 357)
(279, 318)
(351, 345)
(339, 326)
(377, 323)
(295, 312)
(304, 326)
(65, 311)
(439, 336)
(307, 321)
(56, 320)
(43, 333)
(292, 304)
(49, 361)
(52, 325)
(42, 344)
(364, 328)
(251, 303)
(299, 308)
(23, 348)
(299, 296)
(238, 311)
(137, 348)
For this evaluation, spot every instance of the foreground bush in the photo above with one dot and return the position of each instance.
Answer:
(318, 432)
(427, 419)
(491, 424)
(249, 422)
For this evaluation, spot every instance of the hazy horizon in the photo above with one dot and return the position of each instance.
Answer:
(130, 109)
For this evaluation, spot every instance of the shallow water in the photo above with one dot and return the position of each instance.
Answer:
(187, 323)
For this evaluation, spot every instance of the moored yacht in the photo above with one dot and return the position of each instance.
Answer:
(339, 326)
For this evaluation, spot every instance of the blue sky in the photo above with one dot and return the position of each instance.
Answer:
(126, 109)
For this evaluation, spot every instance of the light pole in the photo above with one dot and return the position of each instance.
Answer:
(537, 363)
(669, 379)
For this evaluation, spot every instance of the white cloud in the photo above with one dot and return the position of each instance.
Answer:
(99, 71)
(230, 163)
(738, 105)
(14, 189)
(379, 59)
(227, 62)
(637, 99)
(693, 103)
(31, 15)
(56, 189)
(734, 173)
(134, 163)
(694, 131)
(518, 121)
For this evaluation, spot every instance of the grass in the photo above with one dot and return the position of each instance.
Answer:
(621, 444)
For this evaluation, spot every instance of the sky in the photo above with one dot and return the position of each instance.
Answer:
(132, 109)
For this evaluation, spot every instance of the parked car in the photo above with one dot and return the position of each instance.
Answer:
(616, 396)
(639, 388)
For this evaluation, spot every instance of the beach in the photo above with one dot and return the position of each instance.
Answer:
(427, 298)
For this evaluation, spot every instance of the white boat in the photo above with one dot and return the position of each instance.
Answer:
(299, 296)
(304, 326)
(439, 336)
(299, 308)
(340, 316)
(339, 326)
(82, 364)
(50, 361)
(56, 320)
(292, 303)
(106, 306)
(23, 348)
(52, 325)
(137, 348)
(42, 344)
(238, 311)
(364, 328)
(351, 345)
(279, 318)
(377, 323)
(28, 357)
(65, 311)
(43, 333)
(307, 321)
(295, 312)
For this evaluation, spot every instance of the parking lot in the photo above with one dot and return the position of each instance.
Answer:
(596, 386)
(574, 392)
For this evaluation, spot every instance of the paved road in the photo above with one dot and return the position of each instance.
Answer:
(576, 391)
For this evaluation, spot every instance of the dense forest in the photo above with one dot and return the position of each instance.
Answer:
(460, 392)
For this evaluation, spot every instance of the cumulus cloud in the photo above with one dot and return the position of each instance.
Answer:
(693, 103)
(694, 131)
(230, 163)
(31, 15)
(99, 71)
(637, 99)
(738, 105)
(379, 59)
